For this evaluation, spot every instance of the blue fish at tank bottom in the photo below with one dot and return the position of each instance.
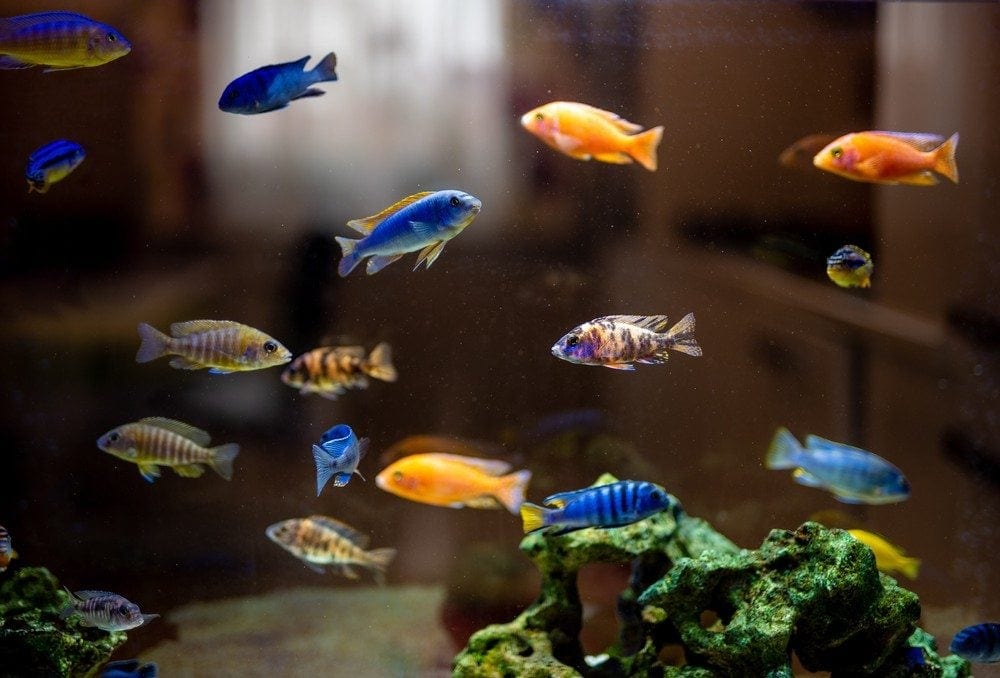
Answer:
(979, 643)
(337, 456)
(129, 668)
(423, 221)
(852, 475)
(613, 505)
(269, 88)
(52, 163)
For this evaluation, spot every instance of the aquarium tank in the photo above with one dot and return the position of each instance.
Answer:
(499, 338)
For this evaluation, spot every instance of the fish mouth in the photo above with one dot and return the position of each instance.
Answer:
(380, 482)
(526, 120)
(476, 206)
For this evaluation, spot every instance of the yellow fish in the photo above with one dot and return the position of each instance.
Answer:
(889, 558)
(222, 346)
(890, 157)
(584, 132)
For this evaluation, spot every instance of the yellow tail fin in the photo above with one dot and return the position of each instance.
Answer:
(643, 147)
(532, 516)
(511, 492)
(944, 158)
(910, 567)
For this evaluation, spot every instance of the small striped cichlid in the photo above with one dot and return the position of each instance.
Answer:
(852, 475)
(423, 221)
(979, 643)
(7, 552)
(618, 341)
(337, 456)
(52, 163)
(107, 611)
(890, 157)
(157, 441)
(222, 346)
(613, 505)
(331, 370)
(850, 266)
(889, 558)
(319, 540)
(60, 40)
(269, 88)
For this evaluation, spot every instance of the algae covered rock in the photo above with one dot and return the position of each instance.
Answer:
(34, 641)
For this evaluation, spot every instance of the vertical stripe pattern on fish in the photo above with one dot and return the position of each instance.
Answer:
(619, 341)
(329, 371)
(320, 540)
(52, 163)
(613, 505)
(59, 40)
(7, 552)
(157, 441)
(222, 346)
(107, 611)
(979, 643)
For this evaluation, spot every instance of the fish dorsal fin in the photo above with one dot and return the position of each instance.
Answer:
(367, 224)
(817, 443)
(344, 530)
(29, 20)
(187, 327)
(615, 119)
(195, 435)
(560, 499)
(656, 323)
(493, 467)
(301, 63)
(87, 595)
(921, 141)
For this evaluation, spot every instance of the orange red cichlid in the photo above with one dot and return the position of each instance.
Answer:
(890, 157)
(584, 132)
(455, 481)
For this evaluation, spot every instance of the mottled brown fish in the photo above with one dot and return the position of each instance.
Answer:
(222, 346)
(157, 441)
(331, 370)
(319, 540)
(7, 552)
(618, 341)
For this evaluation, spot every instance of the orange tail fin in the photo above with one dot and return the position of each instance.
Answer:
(643, 147)
(944, 158)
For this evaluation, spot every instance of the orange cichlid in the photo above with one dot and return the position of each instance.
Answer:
(890, 157)
(223, 346)
(584, 132)
(455, 481)
(889, 558)
(60, 40)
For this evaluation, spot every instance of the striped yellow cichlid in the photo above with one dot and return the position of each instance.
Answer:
(59, 40)
(222, 346)
(319, 540)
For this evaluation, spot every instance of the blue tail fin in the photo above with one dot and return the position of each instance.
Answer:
(350, 258)
(327, 68)
(784, 451)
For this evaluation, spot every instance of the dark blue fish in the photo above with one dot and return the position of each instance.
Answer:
(129, 668)
(51, 163)
(272, 87)
(620, 503)
(979, 643)
(337, 456)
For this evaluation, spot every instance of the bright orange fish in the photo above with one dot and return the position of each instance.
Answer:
(455, 481)
(584, 132)
(890, 157)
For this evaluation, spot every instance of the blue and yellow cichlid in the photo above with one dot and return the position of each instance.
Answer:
(272, 87)
(979, 643)
(59, 40)
(850, 266)
(852, 475)
(105, 610)
(222, 346)
(337, 456)
(423, 221)
(330, 370)
(618, 341)
(52, 163)
(613, 505)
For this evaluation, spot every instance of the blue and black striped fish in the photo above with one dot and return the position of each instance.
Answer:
(269, 88)
(613, 505)
(979, 643)
(51, 163)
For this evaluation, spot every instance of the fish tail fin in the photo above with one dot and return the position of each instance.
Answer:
(327, 68)
(511, 495)
(784, 451)
(380, 363)
(532, 517)
(944, 158)
(643, 147)
(378, 561)
(681, 337)
(324, 467)
(350, 259)
(154, 343)
(910, 567)
(222, 459)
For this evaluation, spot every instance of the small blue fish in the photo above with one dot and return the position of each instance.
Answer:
(337, 455)
(272, 87)
(852, 475)
(52, 163)
(620, 503)
(129, 668)
(979, 643)
(423, 221)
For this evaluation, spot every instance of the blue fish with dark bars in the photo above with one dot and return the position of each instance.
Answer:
(129, 668)
(337, 456)
(852, 475)
(979, 643)
(424, 221)
(613, 505)
(272, 87)
(52, 163)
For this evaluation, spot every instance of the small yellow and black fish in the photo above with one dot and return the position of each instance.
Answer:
(329, 371)
(107, 611)
(850, 266)
(52, 163)
(7, 552)
(59, 40)
(223, 346)
(889, 558)
(157, 441)
(618, 341)
(319, 540)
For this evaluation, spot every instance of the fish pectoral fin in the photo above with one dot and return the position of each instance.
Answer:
(378, 262)
(311, 92)
(429, 254)
(803, 477)
(314, 567)
(614, 158)
(189, 470)
(348, 572)
(149, 471)
(425, 229)
(483, 502)
(620, 366)
(182, 363)
(367, 224)
(568, 145)
(919, 179)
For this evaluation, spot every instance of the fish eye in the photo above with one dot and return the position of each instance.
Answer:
(112, 37)
(455, 202)
(114, 437)
(836, 152)
(270, 346)
(572, 341)
(539, 117)
(398, 476)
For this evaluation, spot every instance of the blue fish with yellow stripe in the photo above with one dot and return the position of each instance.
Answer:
(423, 221)
(613, 505)
(852, 475)
(52, 163)
(269, 88)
